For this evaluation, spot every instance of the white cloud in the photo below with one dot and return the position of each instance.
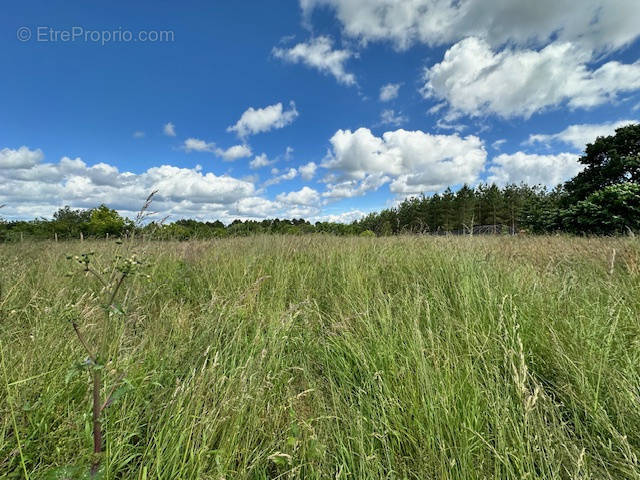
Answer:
(344, 217)
(549, 170)
(389, 92)
(169, 129)
(416, 161)
(475, 80)
(356, 188)
(308, 171)
(288, 153)
(181, 184)
(230, 154)
(579, 135)
(444, 125)
(512, 58)
(256, 207)
(436, 108)
(497, 145)
(23, 157)
(596, 24)
(30, 188)
(197, 145)
(305, 196)
(263, 160)
(390, 117)
(302, 211)
(318, 53)
(260, 120)
(288, 175)
(234, 153)
(138, 134)
(260, 161)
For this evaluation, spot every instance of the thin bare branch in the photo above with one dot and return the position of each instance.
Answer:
(115, 290)
(97, 275)
(83, 341)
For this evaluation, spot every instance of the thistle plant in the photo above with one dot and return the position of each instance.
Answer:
(100, 352)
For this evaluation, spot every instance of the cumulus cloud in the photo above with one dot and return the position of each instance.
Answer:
(579, 135)
(288, 175)
(344, 217)
(234, 153)
(259, 120)
(475, 80)
(256, 207)
(302, 211)
(197, 145)
(355, 188)
(510, 58)
(260, 161)
(138, 134)
(596, 24)
(305, 196)
(308, 171)
(169, 129)
(549, 170)
(30, 188)
(23, 157)
(389, 91)
(230, 154)
(390, 117)
(319, 53)
(415, 161)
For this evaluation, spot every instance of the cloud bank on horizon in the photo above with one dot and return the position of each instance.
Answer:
(339, 108)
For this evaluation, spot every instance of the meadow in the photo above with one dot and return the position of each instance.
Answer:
(315, 357)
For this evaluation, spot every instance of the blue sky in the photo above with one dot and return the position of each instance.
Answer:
(323, 109)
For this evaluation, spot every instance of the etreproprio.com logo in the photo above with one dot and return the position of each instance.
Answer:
(47, 34)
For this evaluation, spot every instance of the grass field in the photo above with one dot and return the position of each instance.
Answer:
(324, 357)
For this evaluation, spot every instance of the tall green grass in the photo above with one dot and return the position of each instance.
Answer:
(322, 357)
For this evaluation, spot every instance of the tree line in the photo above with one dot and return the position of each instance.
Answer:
(603, 199)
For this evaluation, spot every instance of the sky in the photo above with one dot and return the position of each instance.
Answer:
(320, 109)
